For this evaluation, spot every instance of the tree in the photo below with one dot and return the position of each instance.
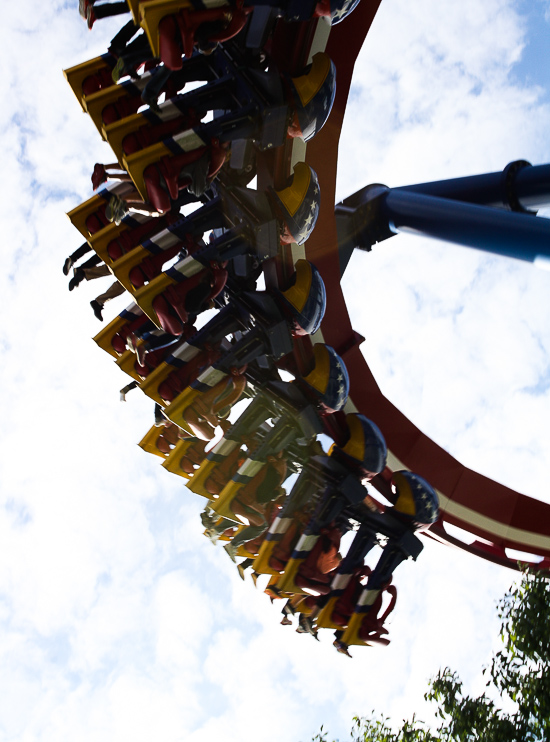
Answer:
(520, 671)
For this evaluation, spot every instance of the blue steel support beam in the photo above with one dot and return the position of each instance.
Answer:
(476, 211)
(519, 187)
(510, 234)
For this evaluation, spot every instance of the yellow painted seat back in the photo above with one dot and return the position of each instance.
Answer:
(323, 619)
(150, 385)
(114, 133)
(76, 75)
(172, 462)
(96, 102)
(145, 295)
(103, 338)
(261, 563)
(198, 480)
(126, 362)
(148, 442)
(151, 14)
(121, 268)
(134, 7)
(100, 240)
(136, 163)
(80, 213)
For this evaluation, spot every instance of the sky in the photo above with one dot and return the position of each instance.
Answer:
(118, 619)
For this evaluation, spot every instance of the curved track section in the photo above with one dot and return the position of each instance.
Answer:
(498, 516)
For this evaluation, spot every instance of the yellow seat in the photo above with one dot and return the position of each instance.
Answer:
(286, 583)
(96, 102)
(223, 504)
(261, 563)
(150, 385)
(75, 76)
(148, 442)
(136, 163)
(172, 462)
(198, 480)
(114, 133)
(145, 295)
(151, 14)
(126, 362)
(323, 619)
(351, 634)
(100, 240)
(175, 409)
(103, 338)
(121, 268)
(134, 7)
(80, 213)
(242, 551)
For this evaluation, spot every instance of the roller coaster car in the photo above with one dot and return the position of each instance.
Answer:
(345, 591)
(185, 457)
(248, 501)
(294, 414)
(159, 441)
(312, 96)
(204, 415)
(136, 133)
(151, 264)
(109, 105)
(336, 10)
(89, 217)
(220, 475)
(112, 338)
(188, 297)
(172, 34)
(365, 626)
(304, 301)
(89, 77)
(309, 570)
(417, 503)
(160, 175)
(168, 380)
(269, 335)
(364, 452)
(287, 527)
(298, 204)
(328, 382)
(253, 546)
(279, 543)
(240, 433)
(338, 478)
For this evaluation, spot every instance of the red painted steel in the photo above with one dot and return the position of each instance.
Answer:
(492, 512)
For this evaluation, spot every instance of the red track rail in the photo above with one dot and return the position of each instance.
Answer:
(499, 516)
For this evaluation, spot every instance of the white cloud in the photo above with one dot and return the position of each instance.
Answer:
(119, 621)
